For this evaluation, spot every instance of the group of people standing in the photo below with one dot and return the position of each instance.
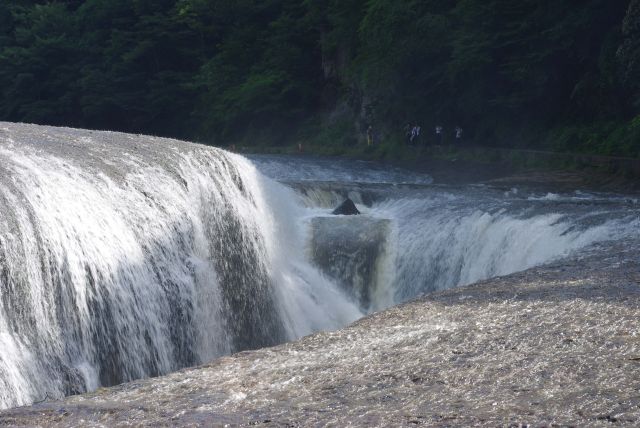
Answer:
(412, 134)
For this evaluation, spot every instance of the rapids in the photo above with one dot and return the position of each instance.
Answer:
(126, 256)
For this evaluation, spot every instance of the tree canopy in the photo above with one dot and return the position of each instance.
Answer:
(556, 74)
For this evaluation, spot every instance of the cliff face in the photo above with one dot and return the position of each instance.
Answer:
(352, 252)
(557, 344)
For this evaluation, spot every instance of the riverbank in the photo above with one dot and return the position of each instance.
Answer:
(553, 345)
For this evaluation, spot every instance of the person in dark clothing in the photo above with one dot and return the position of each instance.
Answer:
(439, 134)
(458, 134)
(407, 133)
(415, 134)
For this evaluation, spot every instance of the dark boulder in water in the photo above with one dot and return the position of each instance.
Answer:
(346, 208)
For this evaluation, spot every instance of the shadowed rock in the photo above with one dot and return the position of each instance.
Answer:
(346, 208)
(351, 250)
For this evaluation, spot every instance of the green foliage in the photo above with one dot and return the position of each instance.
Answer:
(605, 138)
(263, 73)
(337, 137)
(536, 74)
(629, 51)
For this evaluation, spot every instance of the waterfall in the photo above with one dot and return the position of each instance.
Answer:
(442, 245)
(443, 237)
(125, 256)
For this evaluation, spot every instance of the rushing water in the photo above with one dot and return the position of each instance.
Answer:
(446, 236)
(125, 256)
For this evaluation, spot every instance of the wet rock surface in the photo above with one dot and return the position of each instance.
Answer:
(553, 345)
(351, 251)
(346, 208)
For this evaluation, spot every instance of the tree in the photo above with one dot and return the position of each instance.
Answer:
(629, 51)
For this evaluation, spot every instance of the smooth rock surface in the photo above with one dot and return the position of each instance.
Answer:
(554, 345)
(346, 208)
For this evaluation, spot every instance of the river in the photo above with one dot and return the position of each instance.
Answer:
(124, 257)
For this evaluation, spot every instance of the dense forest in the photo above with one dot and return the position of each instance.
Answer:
(542, 74)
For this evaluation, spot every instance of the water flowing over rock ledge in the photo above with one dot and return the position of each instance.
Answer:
(557, 344)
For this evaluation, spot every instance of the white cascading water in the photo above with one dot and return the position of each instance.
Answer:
(124, 257)
(441, 245)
